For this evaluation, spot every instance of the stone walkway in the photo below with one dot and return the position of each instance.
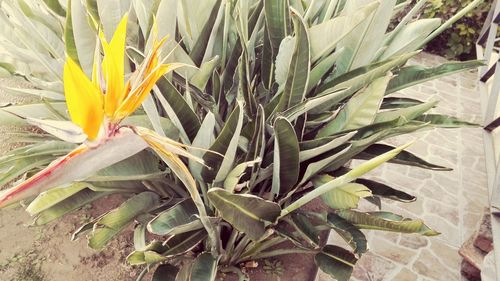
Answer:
(449, 202)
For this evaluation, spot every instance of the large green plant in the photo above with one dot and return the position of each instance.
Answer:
(282, 96)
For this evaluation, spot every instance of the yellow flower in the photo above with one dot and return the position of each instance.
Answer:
(92, 105)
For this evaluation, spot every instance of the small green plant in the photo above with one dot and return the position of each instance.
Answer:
(265, 105)
(459, 39)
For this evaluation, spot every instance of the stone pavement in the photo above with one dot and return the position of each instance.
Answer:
(449, 202)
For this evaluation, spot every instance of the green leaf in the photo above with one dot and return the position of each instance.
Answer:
(325, 36)
(344, 179)
(234, 176)
(319, 149)
(398, 102)
(348, 232)
(84, 36)
(177, 108)
(410, 37)
(68, 205)
(391, 223)
(247, 213)
(184, 242)
(304, 225)
(386, 191)
(343, 197)
(300, 65)
(116, 220)
(203, 74)
(408, 113)
(444, 121)
(69, 37)
(226, 144)
(9, 115)
(165, 272)
(325, 160)
(204, 139)
(200, 47)
(56, 7)
(416, 74)
(286, 157)
(360, 110)
(53, 196)
(336, 262)
(179, 215)
(204, 268)
(277, 21)
(404, 158)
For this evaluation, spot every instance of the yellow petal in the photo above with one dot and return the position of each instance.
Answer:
(84, 100)
(137, 96)
(113, 67)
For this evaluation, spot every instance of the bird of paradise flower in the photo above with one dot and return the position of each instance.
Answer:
(96, 107)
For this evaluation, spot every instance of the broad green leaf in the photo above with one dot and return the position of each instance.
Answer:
(312, 103)
(300, 65)
(410, 37)
(416, 74)
(202, 41)
(36, 110)
(166, 222)
(321, 69)
(325, 160)
(404, 158)
(336, 262)
(181, 243)
(83, 35)
(386, 191)
(336, 141)
(174, 246)
(56, 7)
(203, 74)
(165, 272)
(444, 121)
(360, 110)
(247, 213)
(245, 84)
(110, 14)
(343, 197)
(398, 102)
(306, 227)
(203, 140)
(153, 114)
(325, 36)
(69, 37)
(51, 95)
(408, 113)
(357, 39)
(226, 144)
(53, 196)
(286, 157)
(234, 176)
(277, 21)
(68, 205)
(177, 109)
(116, 220)
(391, 223)
(150, 254)
(348, 232)
(283, 59)
(344, 179)
(64, 130)
(204, 268)
(362, 76)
